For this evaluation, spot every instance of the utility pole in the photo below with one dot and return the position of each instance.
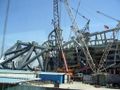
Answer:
(5, 28)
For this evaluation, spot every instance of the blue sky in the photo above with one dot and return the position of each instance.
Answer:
(30, 20)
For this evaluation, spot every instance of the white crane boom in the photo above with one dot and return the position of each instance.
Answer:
(108, 16)
(81, 39)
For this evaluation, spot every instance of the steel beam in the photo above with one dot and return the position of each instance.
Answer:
(12, 47)
(16, 51)
(11, 58)
(39, 61)
(110, 30)
(31, 60)
(26, 58)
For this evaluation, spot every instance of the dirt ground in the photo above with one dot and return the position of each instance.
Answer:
(78, 86)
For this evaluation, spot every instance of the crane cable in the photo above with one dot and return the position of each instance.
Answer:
(77, 11)
(5, 28)
(81, 15)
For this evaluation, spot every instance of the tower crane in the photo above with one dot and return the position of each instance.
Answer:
(108, 47)
(118, 25)
(80, 36)
(56, 35)
(86, 27)
(56, 21)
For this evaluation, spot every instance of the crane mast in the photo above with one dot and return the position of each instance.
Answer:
(69, 10)
(56, 21)
(109, 46)
(57, 30)
(80, 36)
(56, 14)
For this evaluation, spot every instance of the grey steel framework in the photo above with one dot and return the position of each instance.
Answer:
(103, 49)
(50, 55)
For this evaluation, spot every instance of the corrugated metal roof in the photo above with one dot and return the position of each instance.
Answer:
(52, 73)
(15, 71)
(15, 80)
(17, 74)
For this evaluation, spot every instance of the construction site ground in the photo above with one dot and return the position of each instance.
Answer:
(78, 86)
